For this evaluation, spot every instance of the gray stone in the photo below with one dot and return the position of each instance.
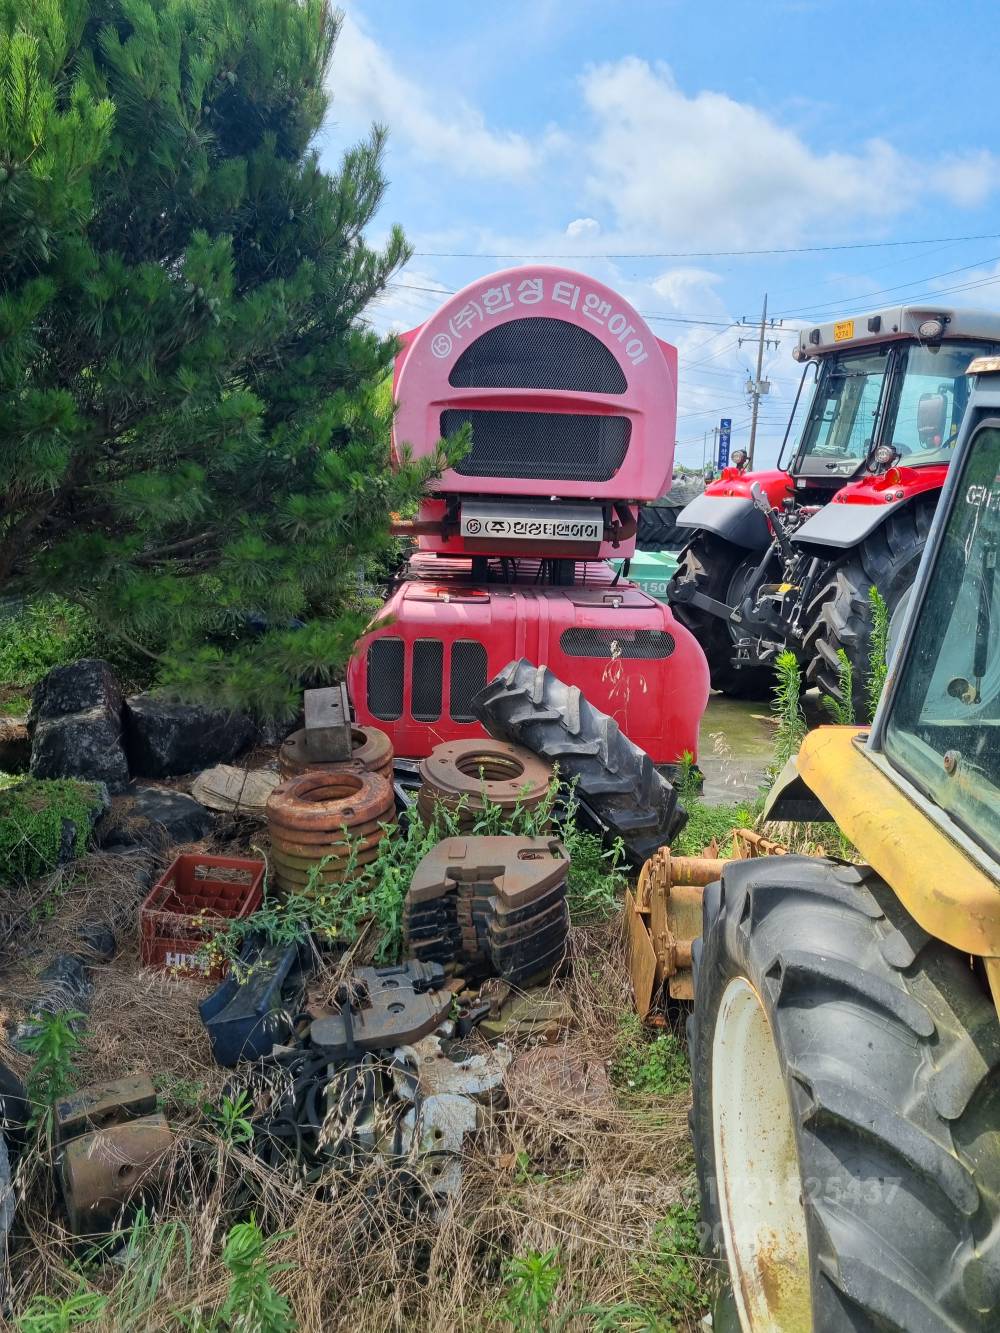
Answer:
(78, 687)
(85, 744)
(154, 817)
(167, 739)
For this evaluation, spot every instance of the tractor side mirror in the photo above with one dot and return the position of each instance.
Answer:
(932, 413)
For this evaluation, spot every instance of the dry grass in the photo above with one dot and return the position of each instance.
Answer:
(590, 1183)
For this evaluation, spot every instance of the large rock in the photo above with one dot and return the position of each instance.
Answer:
(75, 725)
(76, 688)
(85, 745)
(154, 817)
(165, 739)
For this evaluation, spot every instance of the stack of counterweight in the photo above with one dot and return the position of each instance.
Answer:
(492, 905)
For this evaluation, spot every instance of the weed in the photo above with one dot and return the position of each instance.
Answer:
(232, 1119)
(35, 815)
(670, 1271)
(53, 1046)
(787, 708)
(43, 634)
(55, 1314)
(713, 823)
(842, 709)
(878, 657)
(144, 1253)
(656, 1066)
(688, 782)
(186, 1094)
(530, 1283)
(252, 1304)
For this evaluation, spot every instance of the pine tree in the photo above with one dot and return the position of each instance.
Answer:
(191, 422)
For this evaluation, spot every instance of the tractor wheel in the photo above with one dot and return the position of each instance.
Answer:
(717, 568)
(840, 614)
(530, 706)
(657, 528)
(846, 1119)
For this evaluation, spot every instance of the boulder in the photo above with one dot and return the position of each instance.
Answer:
(86, 745)
(166, 739)
(76, 688)
(153, 817)
(75, 725)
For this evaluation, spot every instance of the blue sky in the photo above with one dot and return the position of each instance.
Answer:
(650, 129)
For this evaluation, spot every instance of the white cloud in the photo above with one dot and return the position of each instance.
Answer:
(366, 86)
(583, 227)
(677, 166)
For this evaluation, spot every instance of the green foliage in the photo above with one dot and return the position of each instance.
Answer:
(644, 1064)
(144, 1255)
(33, 814)
(878, 657)
(670, 1273)
(787, 708)
(530, 1284)
(53, 1048)
(63, 1314)
(231, 1119)
(713, 823)
(842, 709)
(688, 781)
(45, 633)
(252, 1304)
(193, 420)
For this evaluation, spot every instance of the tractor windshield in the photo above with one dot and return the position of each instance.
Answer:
(843, 415)
(944, 728)
(930, 391)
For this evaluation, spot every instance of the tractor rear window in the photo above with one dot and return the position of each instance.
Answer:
(944, 728)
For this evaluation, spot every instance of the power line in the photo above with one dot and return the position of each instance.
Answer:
(899, 286)
(701, 254)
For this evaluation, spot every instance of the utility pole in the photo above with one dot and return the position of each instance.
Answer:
(759, 386)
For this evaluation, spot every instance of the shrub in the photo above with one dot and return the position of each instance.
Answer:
(35, 817)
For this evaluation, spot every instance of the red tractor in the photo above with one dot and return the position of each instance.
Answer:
(785, 558)
(572, 404)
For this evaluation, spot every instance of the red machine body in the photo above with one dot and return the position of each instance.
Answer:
(448, 635)
(572, 404)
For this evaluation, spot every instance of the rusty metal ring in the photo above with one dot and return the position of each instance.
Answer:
(365, 835)
(340, 848)
(370, 747)
(335, 865)
(329, 800)
(494, 769)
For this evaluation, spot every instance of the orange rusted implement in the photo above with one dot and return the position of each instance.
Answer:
(663, 917)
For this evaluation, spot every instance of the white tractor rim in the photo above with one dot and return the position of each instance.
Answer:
(757, 1170)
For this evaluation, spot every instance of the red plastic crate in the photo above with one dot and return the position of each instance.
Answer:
(179, 912)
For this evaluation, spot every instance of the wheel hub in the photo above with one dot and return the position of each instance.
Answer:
(757, 1170)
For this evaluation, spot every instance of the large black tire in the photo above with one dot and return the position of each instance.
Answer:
(530, 706)
(717, 568)
(840, 613)
(658, 530)
(889, 1054)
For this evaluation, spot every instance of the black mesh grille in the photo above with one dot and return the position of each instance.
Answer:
(468, 676)
(538, 354)
(428, 655)
(385, 679)
(549, 445)
(616, 643)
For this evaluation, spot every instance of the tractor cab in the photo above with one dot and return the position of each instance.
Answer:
(786, 558)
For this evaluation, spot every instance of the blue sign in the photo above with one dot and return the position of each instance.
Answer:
(725, 428)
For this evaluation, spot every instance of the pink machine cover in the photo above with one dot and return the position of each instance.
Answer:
(648, 399)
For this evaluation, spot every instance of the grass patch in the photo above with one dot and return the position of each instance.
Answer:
(647, 1065)
(34, 814)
